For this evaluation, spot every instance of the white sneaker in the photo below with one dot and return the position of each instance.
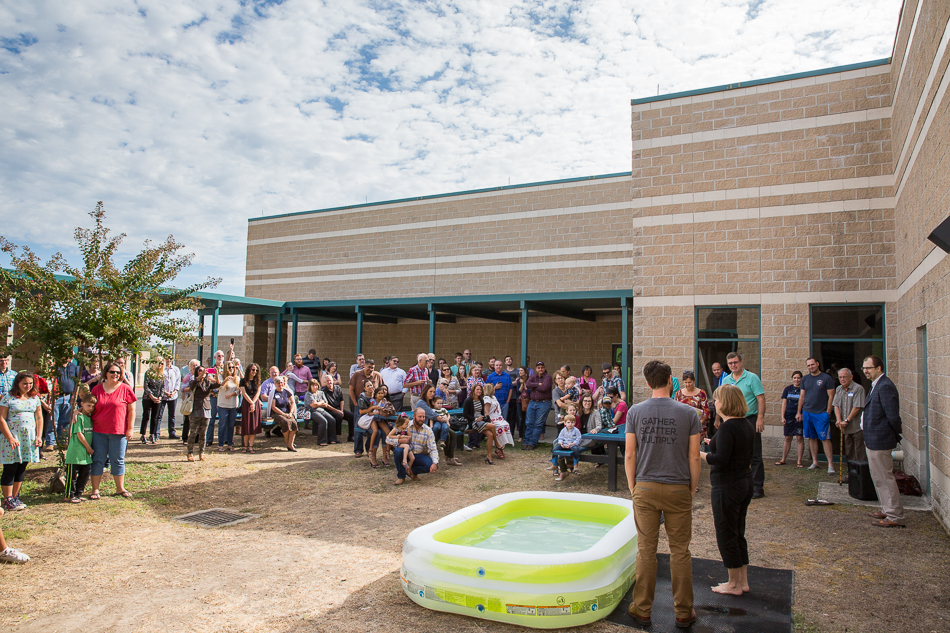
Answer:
(466, 447)
(14, 556)
(831, 471)
(813, 467)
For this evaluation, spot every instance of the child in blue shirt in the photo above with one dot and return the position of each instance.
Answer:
(569, 439)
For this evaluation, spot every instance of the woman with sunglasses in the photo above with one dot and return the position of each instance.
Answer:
(21, 422)
(251, 407)
(111, 428)
(229, 399)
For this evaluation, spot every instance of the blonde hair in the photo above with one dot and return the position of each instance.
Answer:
(569, 417)
(732, 402)
(488, 389)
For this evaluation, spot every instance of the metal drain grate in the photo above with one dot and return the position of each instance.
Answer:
(216, 517)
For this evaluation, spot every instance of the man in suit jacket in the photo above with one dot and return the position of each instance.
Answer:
(881, 423)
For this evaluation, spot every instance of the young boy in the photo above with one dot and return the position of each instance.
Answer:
(569, 439)
(571, 392)
(79, 450)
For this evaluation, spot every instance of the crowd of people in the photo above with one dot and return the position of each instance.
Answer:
(91, 413)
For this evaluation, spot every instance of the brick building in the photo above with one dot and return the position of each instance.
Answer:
(782, 217)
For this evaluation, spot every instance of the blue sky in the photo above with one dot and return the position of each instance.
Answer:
(188, 118)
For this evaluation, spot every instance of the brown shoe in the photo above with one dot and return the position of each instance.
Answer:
(641, 620)
(877, 515)
(685, 623)
(886, 523)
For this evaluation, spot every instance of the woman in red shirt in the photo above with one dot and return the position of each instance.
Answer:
(111, 428)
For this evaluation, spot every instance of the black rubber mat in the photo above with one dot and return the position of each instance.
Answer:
(765, 609)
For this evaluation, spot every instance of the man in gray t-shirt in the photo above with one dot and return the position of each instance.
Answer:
(662, 466)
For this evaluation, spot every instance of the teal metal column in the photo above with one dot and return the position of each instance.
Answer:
(279, 342)
(201, 334)
(625, 343)
(214, 329)
(359, 330)
(524, 334)
(293, 336)
(431, 330)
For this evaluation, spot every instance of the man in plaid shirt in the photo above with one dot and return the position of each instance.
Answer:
(421, 443)
(417, 379)
(6, 376)
(610, 381)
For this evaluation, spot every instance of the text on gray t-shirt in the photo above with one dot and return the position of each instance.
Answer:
(663, 428)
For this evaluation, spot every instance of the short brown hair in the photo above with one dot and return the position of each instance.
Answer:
(657, 374)
(876, 361)
(732, 402)
(733, 355)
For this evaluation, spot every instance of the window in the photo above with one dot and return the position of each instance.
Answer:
(723, 330)
(844, 335)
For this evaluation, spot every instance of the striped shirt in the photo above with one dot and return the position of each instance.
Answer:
(421, 440)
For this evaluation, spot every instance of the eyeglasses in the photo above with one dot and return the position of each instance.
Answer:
(871, 367)
(114, 372)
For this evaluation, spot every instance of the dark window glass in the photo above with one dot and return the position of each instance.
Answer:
(847, 322)
(721, 331)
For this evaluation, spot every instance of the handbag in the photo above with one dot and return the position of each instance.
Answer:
(187, 405)
(458, 423)
(365, 421)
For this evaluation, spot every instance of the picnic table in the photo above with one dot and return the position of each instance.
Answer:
(613, 442)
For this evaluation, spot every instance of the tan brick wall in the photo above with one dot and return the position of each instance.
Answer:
(922, 133)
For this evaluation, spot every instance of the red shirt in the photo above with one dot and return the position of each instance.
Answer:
(111, 409)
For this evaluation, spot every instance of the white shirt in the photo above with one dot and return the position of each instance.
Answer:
(172, 382)
(394, 379)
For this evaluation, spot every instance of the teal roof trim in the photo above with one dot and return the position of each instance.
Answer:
(477, 299)
(759, 82)
(444, 195)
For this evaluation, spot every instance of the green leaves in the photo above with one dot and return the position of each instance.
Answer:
(103, 310)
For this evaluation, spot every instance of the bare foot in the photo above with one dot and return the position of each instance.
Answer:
(728, 589)
(745, 589)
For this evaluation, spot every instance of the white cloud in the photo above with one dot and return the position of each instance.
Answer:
(189, 119)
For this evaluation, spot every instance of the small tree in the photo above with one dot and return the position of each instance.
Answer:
(101, 309)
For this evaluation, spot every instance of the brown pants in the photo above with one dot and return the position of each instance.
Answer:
(854, 450)
(676, 504)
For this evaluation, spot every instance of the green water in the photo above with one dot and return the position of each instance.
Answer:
(536, 535)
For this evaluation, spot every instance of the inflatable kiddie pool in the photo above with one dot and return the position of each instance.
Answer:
(537, 559)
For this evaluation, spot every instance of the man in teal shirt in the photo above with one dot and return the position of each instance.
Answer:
(754, 394)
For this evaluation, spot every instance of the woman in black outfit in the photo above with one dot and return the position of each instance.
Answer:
(473, 410)
(730, 455)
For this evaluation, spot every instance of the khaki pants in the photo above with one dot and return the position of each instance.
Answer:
(882, 474)
(854, 450)
(676, 504)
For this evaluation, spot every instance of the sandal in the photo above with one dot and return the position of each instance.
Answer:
(95, 496)
(124, 493)
(500, 453)
(251, 451)
(375, 465)
(75, 500)
(490, 462)
(781, 463)
(800, 465)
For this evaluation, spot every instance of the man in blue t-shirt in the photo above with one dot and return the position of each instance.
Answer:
(502, 382)
(814, 412)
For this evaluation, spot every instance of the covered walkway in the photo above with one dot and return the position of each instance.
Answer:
(584, 306)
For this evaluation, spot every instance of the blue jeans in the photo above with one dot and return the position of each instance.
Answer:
(62, 412)
(421, 465)
(108, 446)
(171, 405)
(440, 430)
(226, 420)
(360, 437)
(504, 410)
(209, 436)
(536, 418)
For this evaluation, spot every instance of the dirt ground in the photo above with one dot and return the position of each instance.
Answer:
(325, 553)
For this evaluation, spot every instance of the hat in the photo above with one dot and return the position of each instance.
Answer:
(607, 399)
(540, 363)
(605, 366)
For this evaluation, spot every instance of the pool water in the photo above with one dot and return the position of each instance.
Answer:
(536, 535)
